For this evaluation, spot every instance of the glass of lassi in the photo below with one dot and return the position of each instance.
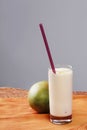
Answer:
(60, 94)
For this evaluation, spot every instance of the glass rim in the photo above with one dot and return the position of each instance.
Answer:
(61, 66)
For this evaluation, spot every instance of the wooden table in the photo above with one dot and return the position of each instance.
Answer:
(16, 114)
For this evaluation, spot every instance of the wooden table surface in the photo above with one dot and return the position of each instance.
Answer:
(16, 114)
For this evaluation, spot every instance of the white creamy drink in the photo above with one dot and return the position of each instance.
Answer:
(60, 94)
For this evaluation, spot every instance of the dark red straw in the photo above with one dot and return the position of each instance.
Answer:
(47, 47)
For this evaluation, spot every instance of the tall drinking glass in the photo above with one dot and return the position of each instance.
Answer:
(60, 94)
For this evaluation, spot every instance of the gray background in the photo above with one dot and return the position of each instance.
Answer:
(23, 58)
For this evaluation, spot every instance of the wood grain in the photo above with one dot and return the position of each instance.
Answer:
(16, 114)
